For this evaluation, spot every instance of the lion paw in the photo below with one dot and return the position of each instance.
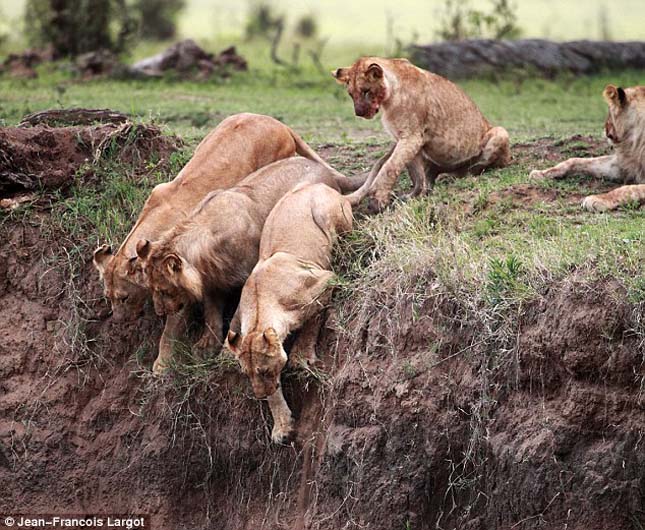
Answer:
(283, 432)
(207, 342)
(536, 175)
(594, 203)
(159, 367)
(308, 361)
(376, 205)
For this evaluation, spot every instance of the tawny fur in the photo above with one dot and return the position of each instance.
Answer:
(625, 130)
(237, 147)
(213, 251)
(287, 289)
(436, 126)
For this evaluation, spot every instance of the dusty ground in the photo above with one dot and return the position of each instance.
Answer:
(417, 424)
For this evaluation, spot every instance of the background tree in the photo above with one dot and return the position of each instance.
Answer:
(73, 27)
(158, 18)
(460, 21)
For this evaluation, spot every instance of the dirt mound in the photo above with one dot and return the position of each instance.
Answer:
(420, 419)
(42, 157)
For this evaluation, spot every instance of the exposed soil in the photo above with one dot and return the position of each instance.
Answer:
(419, 424)
(42, 157)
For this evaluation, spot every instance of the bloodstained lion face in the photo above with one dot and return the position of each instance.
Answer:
(365, 84)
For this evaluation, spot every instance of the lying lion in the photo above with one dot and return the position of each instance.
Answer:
(236, 148)
(436, 126)
(625, 130)
(212, 252)
(286, 289)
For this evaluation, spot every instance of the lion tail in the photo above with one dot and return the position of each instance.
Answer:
(346, 184)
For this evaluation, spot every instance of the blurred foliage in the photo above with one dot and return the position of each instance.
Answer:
(73, 27)
(460, 21)
(158, 18)
(306, 27)
(263, 21)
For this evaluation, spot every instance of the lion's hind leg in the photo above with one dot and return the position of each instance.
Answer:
(496, 151)
(634, 193)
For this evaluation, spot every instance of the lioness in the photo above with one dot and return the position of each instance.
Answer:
(625, 131)
(286, 289)
(234, 149)
(436, 126)
(213, 251)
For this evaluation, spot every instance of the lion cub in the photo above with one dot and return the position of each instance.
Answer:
(212, 252)
(237, 147)
(625, 130)
(286, 289)
(436, 126)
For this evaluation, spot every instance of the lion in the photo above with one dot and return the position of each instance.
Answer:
(436, 126)
(238, 146)
(288, 287)
(211, 253)
(625, 131)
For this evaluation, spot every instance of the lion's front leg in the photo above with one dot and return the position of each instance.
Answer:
(282, 418)
(303, 351)
(634, 193)
(600, 167)
(176, 325)
(405, 151)
(212, 337)
(356, 197)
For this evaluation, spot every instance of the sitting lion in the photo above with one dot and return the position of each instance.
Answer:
(234, 149)
(212, 252)
(436, 126)
(625, 130)
(286, 289)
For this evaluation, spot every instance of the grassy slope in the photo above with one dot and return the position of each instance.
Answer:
(476, 244)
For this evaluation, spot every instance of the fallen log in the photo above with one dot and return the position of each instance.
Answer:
(471, 58)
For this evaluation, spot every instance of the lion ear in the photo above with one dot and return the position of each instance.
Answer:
(271, 336)
(233, 342)
(143, 248)
(341, 75)
(132, 264)
(616, 95)
(172, 263)
(374, 72)
(102, 257)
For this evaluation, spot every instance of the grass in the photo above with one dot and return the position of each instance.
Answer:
(475, 241)
(482, 245)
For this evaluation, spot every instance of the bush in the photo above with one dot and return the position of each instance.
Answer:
(459, 21)
(157, 18)
(263, 21)
(74, 27)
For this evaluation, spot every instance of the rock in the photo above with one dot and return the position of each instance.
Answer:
(476, 57)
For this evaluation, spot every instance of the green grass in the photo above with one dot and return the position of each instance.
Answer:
(478, 241)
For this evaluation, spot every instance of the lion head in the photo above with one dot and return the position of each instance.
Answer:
(122, 283)
(174, 282)
(626, 117)
(365, 82)
(261, 357)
